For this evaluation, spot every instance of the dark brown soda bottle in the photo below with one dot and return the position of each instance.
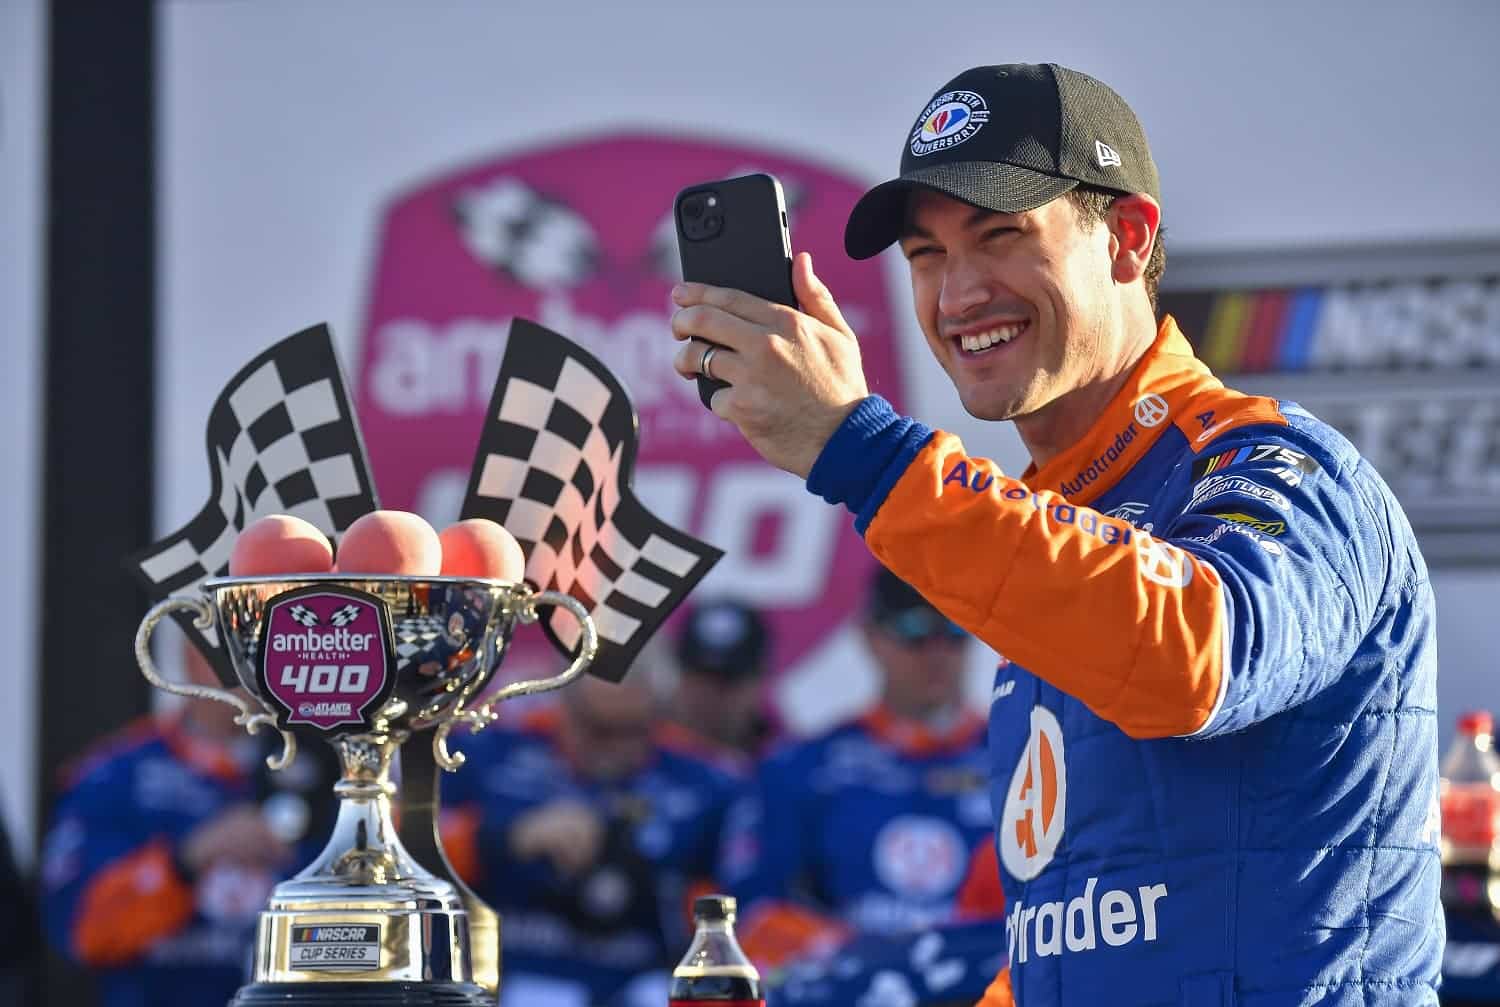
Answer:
(715, 971)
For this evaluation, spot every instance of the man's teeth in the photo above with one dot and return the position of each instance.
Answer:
(984, 340)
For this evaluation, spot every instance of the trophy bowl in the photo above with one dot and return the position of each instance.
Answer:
(368, 663)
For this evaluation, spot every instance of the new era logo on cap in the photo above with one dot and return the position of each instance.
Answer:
(1105, 154)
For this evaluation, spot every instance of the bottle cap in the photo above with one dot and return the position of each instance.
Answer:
(1476, 722)
(714, 907)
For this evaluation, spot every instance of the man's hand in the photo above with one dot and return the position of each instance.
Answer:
(794, 375)
(240, 836)
(565, 831)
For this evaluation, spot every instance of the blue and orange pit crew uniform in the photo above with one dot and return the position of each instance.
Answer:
(949, 963)
(114, 896)
(866, 829)
(631, 912)
(1213, 744)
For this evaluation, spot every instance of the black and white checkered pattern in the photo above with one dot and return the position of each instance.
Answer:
(303, 615)
(282, 439)
(534, 239)
(554, 466)
(345, 615)
(415, 637)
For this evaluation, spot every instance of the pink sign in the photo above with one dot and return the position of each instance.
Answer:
(578, 236)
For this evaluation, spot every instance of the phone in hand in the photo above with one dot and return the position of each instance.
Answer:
(733, 233)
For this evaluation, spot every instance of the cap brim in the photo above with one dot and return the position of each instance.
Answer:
(880, 215)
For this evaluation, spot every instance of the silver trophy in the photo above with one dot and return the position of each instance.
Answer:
(370, 663)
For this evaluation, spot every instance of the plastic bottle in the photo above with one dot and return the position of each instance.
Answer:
(1470, 799)
(715, 971)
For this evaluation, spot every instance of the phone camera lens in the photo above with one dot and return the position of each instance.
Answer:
(712, 224)
(692, 208)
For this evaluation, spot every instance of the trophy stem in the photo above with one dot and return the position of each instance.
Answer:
(365, 911)
(364, 848)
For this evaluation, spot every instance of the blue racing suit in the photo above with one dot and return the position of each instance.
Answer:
(851, 847)
(114, 895)
(627, 914)
(871, 823)
(1213, 745)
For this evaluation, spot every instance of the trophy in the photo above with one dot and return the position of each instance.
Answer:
(371, 663)
(378, 665)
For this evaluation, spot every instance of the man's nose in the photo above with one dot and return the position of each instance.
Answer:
(966, 286)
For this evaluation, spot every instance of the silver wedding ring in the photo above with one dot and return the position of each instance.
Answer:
(708, 356)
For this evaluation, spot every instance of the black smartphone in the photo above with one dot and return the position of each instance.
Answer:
(733, 233)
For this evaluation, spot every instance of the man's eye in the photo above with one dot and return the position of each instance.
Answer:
(920, 251)
(1000, 232)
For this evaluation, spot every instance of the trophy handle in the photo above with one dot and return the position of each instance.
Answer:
(203, 618)
(481, 717)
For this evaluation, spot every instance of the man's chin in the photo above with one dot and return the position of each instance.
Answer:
(989, 406)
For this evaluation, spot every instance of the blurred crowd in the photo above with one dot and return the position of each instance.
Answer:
(862, 857)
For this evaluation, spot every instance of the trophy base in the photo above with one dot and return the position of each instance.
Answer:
(375, 994)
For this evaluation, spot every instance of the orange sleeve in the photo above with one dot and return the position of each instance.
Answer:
(981, 896)
(999, 993)
(778, 932)
(1132, 626)
(130, 905)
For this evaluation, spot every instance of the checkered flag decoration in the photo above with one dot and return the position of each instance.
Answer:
(282, 439)
(554, 466)
(345, 615)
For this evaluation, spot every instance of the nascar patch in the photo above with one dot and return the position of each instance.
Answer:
(1290, 466)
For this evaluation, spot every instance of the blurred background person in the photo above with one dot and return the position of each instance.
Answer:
(867, 829)
(161, 852)
(589, 834)
(718, 694)
(947, 965)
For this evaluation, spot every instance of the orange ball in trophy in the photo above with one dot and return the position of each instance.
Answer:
(479, 547)
(280, 543)
(390, 542)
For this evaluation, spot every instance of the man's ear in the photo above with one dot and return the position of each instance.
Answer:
(1133, 221)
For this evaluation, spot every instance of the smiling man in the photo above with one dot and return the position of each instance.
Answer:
(1213, 744)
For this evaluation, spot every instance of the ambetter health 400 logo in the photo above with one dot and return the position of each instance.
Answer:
(579, 237)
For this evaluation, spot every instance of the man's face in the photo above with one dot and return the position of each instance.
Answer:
(1017, 308)
(607, 726)
(921, 655)
(726, 711)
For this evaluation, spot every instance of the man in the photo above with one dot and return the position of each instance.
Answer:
(866, 830)
(717, 706)
(163, 850)
(1213, 745)
(587, 835)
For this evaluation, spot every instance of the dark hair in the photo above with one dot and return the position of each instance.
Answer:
(1092, 204)
(890, 595)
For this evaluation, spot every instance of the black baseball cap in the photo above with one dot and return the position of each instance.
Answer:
(897, 607)
(1009, 138)
(725, 638)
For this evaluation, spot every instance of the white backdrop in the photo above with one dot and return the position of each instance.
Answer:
(22, 67)
(286, 126)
